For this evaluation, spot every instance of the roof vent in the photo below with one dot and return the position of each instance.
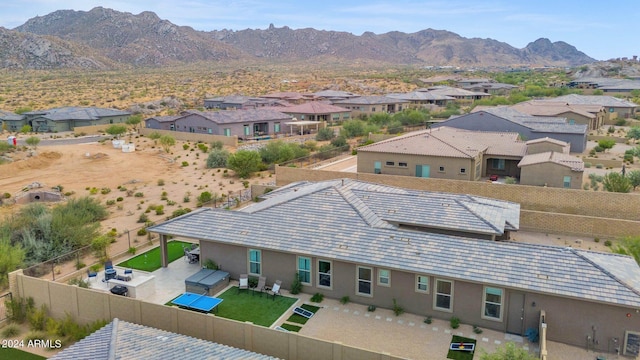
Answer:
(244, 232)
(543, 277)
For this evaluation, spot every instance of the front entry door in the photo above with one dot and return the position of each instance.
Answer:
(515, 319)
(423, 171)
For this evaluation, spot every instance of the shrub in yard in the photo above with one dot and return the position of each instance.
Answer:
(10, 331)
(428, 320)
(138, 194)
(142, 232)
(160, 210)
(160, 182)
(344, 300)
(454, 322)
(587, 165)
(371, 308)
(185, 163)
(143, 218)
(607, 243)
(317, 297)
(120, 198)
(296, 285)
(477, 329)
(38, 318)
(110, 202)
(185, 146)
(397, 309)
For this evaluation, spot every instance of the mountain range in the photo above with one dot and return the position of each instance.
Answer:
(107, 39)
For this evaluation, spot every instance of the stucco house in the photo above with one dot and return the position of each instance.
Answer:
(445, 153)
(551, 169)
(461, 95)
(335, 95)
(11, 121)
(246, 124)
(502, 118)
(422, 98)
(492, 88)
(367, 105)
(428, 251)
(317, 111)
(235, 102)
(615, 107)
(69, 118)
(591, 115)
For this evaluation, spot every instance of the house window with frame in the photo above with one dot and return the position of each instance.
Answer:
(463, 171)
(443, 295)
(384, 277)
(227, 132)
(403, 164)
(497, 164)
(364, 281)
(389, 163)
(276, 127)
(441, 169)
(492, 303)
(304, 270)
(247, 130)
(566, 182)
(422, 283)
(255, 262)
(324, 273)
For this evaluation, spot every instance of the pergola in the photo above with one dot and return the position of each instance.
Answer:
(301, 124)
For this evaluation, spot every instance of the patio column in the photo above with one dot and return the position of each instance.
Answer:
(164, 258)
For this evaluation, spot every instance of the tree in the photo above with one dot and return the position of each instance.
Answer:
(33, 141)
(134, 121)
(155, 136)
(606, 144)
(353, 128)
(25, 129)
(217, 158)
(616, 182)
(634, 133)
(244, 162)
(116, 130)
(508, 352)
(167, 141)
(634, 178)
(100, 246)
(11, 258)
(629, 245)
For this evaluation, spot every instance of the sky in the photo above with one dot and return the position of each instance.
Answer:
(600, 30)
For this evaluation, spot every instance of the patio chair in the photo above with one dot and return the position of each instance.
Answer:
(261, 287)
(243, 282)
(192, 258)
(193, 246)
(92, 274)
(275, 289)
(128, 272)
(108, 264)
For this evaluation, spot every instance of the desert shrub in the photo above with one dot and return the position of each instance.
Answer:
(79, 282)
(244, 163)
(185, 146)
(599, 166)
(142, 232)
(6, 195)
(160, 182)
(217, 158)
(179, 212)
(143, 218)
(119, 198)
(397, 309)
(17, 309)
(345, 300)
(317, 297)
(428, 320)
(160, 210)
(204, 148)
(110, 202)
(353, 128)
(185, 163)
(138, 194)
(454, 322)
(510, 180)
(217, 145)
(38, 318)
(476, 329)
(296, 285)
(276, 152)
(587, 165)
(325, 134)
(339, 142)
(621, 122)
(371, 308)
(131, 250)
(598, 148)
(10, 331)
(607, 243)
(105, 191)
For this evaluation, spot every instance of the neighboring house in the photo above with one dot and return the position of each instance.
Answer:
(552, 169)
(12, 121)
(124, 340)
(162, 122)
(234, 102)
(423, 99)
(291, 97)
(615, 107)
(368, 105)
(607, 85)
(317, 111)
(529, 127)
(246, 124)
(492, 88)
(335, 95)
(591, 115)
(69, 118)
(461, 95)
(444, 153)
(380, 245)
(474, 81)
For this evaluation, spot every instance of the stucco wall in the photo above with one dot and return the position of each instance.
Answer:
(186, 136)
(549, 174)
(452, 166)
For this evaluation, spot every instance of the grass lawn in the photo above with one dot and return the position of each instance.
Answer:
(16, 354)
(292, 328)
(298, 319)
(460, 355)
(260, 310)
(150, 260)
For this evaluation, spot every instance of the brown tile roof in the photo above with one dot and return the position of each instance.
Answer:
(549, 140)
(570, 161)
(314, 107)
(450, 142)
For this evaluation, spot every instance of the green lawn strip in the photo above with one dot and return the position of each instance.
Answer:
(260, 310)
(292, 328)
(150, 261)
(460, 355)
(17, 354)
(298, 319)
(314, 309)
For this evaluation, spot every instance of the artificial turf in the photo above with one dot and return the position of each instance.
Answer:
(292, 328)
(298, 319)
(150, 261)
(17, 354)
(460, 355)
(314, 309)
(245, 306)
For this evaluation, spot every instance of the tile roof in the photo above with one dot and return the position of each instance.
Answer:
(419, 96)
(608, 101)
(451, 91)
(124, 340)
(315, 107)
(535, 123)
(166, 118)
(451, 142)
(547, 140)
(371, 100)
(570, 161)
(326, 225)
(553, 108)
(334, 94)
(77, 113)
(239, 116)
(8, 115)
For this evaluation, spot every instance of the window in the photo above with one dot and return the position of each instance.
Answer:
(276, 127)
(227, 132)
(389, 163)
(566, 182)
(497, 164)
(572, 122)
(346, 116)
(254, 261)
(377, 167)
(247, 130)
(463, 171)
(301, 117)
(402, 164)
(441, 169)
(365, 278)
(324, 273)
(209, 131)
(422, 283)
(492, 304)
(443, 295)
(304, 270)
(611, 110)
(384, 277)
(373, 109)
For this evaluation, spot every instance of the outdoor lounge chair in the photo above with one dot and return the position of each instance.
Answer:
(275, 289)
(243, 282)
(262, 283)
(92, 274)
